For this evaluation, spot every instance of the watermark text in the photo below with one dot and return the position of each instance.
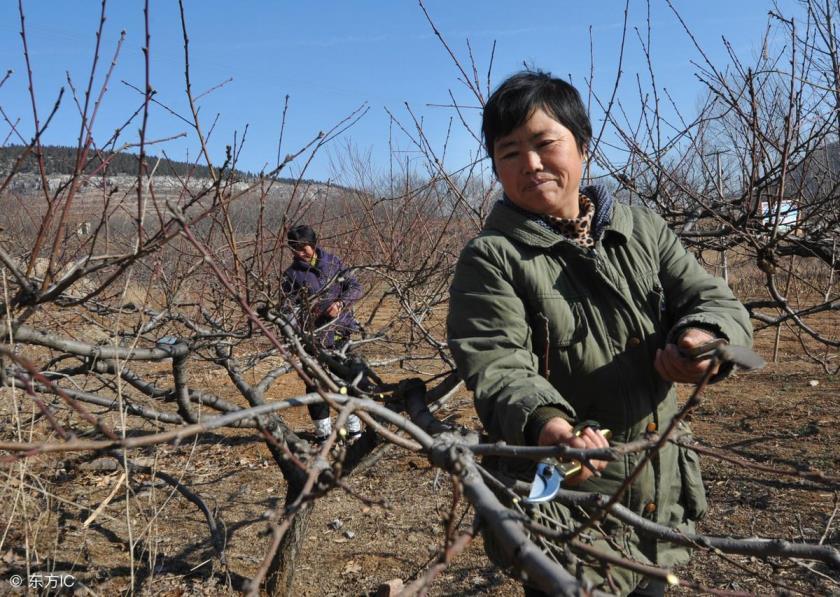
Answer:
(43, 581)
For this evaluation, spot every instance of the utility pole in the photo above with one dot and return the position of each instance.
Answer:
(723, 261)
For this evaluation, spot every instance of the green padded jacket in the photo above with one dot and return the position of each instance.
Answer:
(536, 320)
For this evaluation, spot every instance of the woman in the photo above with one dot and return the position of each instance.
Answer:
(568, 307)
(322, 291)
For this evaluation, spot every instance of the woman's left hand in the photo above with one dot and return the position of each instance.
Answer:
(673, 366)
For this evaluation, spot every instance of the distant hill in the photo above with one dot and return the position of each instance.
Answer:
(61, 160)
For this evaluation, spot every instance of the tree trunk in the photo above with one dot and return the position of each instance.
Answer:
(281, 573)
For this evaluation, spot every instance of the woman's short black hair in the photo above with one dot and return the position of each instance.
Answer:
(518, 96)
(301, 235)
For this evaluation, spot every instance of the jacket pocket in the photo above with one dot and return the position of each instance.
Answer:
(693, 495)
(564, 321)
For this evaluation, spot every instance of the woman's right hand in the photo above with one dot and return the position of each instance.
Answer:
(559, 431)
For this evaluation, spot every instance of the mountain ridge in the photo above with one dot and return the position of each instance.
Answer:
(60, 160)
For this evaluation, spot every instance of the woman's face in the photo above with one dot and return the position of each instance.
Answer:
(303, 252)
(540, 167)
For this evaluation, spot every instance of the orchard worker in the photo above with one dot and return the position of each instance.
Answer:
(570, 307)
(322, 292)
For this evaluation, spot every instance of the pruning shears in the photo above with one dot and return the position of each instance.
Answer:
(550, 473)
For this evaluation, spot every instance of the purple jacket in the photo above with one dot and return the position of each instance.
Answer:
(313, 288)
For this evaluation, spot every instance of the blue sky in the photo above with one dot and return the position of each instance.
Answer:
(332, 56)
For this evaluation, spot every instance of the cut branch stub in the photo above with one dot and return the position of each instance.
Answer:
(719, 348)
(741, 356)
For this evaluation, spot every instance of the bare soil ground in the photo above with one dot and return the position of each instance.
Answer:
(778, 416)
